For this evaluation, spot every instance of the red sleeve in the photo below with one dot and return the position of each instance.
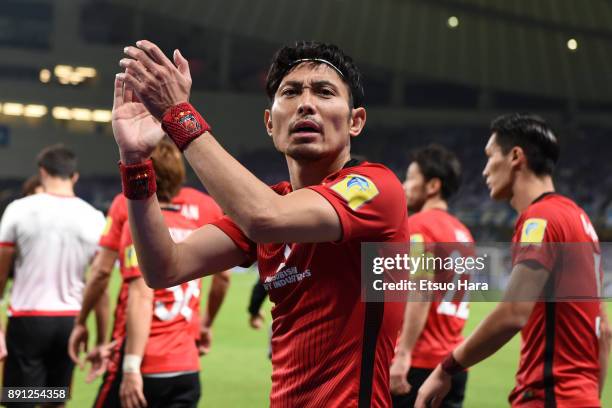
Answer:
(369, 201)
(537, 239)
(117, 216)
(229, 227)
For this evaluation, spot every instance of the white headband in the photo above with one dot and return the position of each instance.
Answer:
(321, 60)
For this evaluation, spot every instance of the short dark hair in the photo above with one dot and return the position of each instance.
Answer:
(436, 161)
(58, 161)
(532, 134)
(287, 58)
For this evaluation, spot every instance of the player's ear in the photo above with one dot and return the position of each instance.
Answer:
(433, 186)
(74, 178)
(517, 156)
(357, 121)
(268, 121)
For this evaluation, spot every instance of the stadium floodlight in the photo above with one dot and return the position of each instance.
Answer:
(35, 111)
(13, 109)
(453, 22)
(86, 72)
(61, 112)
(572, 44)
(81, 114)
(45, 75)
(67, 74)
(101, 115)
(62, 71)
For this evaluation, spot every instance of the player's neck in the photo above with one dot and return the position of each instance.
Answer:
(435, 203)
(310, 173)
(58, 186)
(529, 187)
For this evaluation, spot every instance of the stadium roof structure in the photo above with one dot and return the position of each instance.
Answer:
(517, 46)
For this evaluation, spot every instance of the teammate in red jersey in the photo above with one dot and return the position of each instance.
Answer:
(328, 347)
(156, 328)
(194, 204)
(431, 329)
(561, 362)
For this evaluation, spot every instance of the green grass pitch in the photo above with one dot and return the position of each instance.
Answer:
(237, 371)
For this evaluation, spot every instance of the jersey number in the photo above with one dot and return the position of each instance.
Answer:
(449, 308)
(182, 297)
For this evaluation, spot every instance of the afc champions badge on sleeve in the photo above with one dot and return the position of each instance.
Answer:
(356, 190)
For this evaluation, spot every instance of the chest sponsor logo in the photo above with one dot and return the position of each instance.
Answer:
(285, 275)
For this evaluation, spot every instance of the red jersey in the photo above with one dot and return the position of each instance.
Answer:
(171, 346)
(194, 205)
(445, 319)
(330, 349)
(559, 363)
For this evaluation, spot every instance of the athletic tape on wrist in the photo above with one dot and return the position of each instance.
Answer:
(451, 366)
(183, 124)
(138, 180)
(131, 363)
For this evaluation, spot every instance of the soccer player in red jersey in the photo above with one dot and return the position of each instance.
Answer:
(329, 349)
(194, 204)
(561, 361)
(431, 329)
(155, 359)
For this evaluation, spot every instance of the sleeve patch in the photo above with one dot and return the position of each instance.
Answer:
(107, 226)
(356, 190)
(417, 245)
(130, 260)
(533, 231)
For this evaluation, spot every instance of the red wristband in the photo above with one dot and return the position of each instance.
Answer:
(451, 366)
(138, 180)
(183, 124)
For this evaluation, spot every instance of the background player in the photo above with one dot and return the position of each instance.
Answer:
(431, 329)
(322, 332)
(52, 236)
(156, 328)
(560, 341)
(194, 204)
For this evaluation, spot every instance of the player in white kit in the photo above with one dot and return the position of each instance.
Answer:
(51, 237)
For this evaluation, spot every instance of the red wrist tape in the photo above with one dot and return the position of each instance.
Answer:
(183, 124)
(138, 180)
(451, 366)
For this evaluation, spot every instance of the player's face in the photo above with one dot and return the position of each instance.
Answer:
(498, 171)
(414, 188)
(310, 118)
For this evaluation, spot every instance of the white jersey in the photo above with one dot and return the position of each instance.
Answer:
(55, 238)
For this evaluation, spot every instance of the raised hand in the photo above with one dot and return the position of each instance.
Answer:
(158, 82)
(136, 131)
